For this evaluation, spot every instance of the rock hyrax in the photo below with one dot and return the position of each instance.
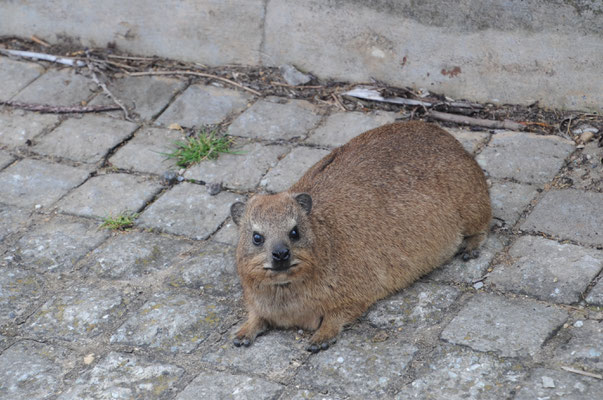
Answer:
(365, 221)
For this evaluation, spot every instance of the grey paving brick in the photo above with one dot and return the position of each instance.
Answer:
(172, 323)
(527, 157)
(471, 140)
(309, 394)
(64, 87)
(270, 120)
(5, 159)
(188, 209)
(568, 386)
(31, 182)
(512, 328)
(238, 171)
(570, 214)
(32, 370)
(585, 348)
(133, 255)
(358, 367)
(586, 168)
(595, 296)
(56, 245)
(416, 308)
(125, 376)
(80, 312)
(228, 233)
(457, 373)
(509, 199)
(19, 291)
(17, 127)
(144, 153)
(457, 270)
(15, 75)
(13, 219)
(145, 95)
(547, 270)
(87, 139)
(340, 128)
(202, 105)
(291, 168)
(217, 385)
(108, 195)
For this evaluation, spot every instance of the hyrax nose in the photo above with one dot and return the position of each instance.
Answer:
(281, 254)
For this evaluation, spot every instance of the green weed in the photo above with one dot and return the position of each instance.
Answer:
(122, 222)
(206, 146)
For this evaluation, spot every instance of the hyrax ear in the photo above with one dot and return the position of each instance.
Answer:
(305, 201)
(236, 211)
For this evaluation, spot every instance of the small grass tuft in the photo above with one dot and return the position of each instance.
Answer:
(206, 146)
(122, 222)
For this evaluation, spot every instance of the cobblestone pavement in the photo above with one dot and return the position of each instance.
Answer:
(150, 313)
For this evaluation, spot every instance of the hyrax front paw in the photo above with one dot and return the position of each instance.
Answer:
(316, 347)
(470, 255)
(241, 342)
(248, 332)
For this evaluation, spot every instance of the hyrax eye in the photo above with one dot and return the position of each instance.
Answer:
(294, 234)
(257, 239)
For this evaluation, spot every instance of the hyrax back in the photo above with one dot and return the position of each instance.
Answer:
(367, 220)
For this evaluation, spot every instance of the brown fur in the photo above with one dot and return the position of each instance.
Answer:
(388, 207)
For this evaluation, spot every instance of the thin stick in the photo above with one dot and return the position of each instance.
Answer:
(131, 58)
(461, 119)
(49, 109)
(580, 372)
(295, 86)
(339, 103)
(43, 56)
(102, 85)
(39, 41)
(201, 74)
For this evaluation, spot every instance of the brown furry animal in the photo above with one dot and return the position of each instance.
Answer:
(365, 221)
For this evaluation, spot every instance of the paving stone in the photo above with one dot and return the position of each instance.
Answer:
(416, 308)
(595, 297)
(526, 157)
(341, 127)
(15, 75)
(548, 270)
(109, 195)
(31, 182)
(273, 121)
(64, 87)
(56, 245)
(5, 159)
(133, 255)
(471, 140)
(145, 152)
(146, 95)
(457, 270)
(209, 269)
(509, 199)
(458, 373)
(202, 105)
(13, 219)
(32, 370)
(228, 233)
(17, 127)
(216, 385)
(188, 209)
(513, 328)
(585, 347)
(238, 171)
(81, 312)
(308, 394)
(125, 376)
(571, 214)
(291, 168)
(19, 291)
(172, 323)
(358, 366)
(568, 386)
(586, 168)
(87, 139)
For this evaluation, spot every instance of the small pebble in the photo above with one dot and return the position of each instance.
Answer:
(478, 285)
(169, 177)
(293, 76)
(38, 206)
(578, 324)
(214, 188)
(548, 382)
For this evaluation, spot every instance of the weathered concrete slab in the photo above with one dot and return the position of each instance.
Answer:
(238, 171)
(570, 214)
(566, 386)
(15, 75)
(308, 394)
(32, 370)
(5, 159)
(291, 168)
(17, 127)
(66, 87)
(586, 168)
(340, 128)
(471, 140)
(125, 376)
(228, 233)
(547, 270)
(143, 153)
(87, 139)
(13, 219)
(271, 120)
(585, 348)
(512, 328)
(526, 157)
(188, 210)
(202, 105)
(31, 182)
(509, 199)
(147, 96)
(109, 195)
(19, 292)
(595, 296)
(224, 385)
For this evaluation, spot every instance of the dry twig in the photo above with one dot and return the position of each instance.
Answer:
(102, 85)
(39, 41)
(49, 109)
(580, 372)
(461, 119)
(43, 56)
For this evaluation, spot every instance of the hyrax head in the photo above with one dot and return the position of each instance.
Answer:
(275, 232)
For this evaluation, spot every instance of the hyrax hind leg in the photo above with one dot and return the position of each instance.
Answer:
(470, 246)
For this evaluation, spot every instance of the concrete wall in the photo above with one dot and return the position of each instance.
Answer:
(509, 51)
